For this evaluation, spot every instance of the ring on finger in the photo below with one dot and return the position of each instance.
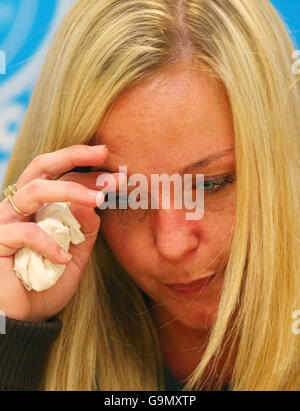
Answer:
(9, 192)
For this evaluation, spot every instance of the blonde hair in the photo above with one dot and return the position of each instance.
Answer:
(108, 340)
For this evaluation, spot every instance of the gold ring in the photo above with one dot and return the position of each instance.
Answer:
(9, 192)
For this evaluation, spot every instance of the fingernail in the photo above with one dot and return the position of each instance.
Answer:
(67, 256)
(97, 148)
(98, 195)
(93, 193)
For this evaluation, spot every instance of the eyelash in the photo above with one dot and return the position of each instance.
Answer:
(221, 182)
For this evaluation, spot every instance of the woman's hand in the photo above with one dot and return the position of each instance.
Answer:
(37, 186)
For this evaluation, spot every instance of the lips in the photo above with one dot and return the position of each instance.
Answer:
(192, 286)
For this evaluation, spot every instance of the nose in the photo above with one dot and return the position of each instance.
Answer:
(175, 237)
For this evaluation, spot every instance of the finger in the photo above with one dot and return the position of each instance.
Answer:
(88, 219)
(95, 180)
(18, 235)
(90, 225)
(31, 197)
(50, 165)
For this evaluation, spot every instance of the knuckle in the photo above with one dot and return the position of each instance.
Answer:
(38, 160)
(72, 185)
(35, 185)
(68, 184)
(30, 230)
(47, 243)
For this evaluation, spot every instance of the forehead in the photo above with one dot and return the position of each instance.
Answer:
(167, 122)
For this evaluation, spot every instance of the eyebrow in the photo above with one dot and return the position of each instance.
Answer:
(207, 160)
(198, 164)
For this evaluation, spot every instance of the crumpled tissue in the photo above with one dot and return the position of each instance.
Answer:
(34, 270)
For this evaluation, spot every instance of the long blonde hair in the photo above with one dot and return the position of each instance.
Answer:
(108, 340)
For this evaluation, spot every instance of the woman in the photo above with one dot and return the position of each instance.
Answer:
(189, 87)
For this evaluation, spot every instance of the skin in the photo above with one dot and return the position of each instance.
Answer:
(162, 125)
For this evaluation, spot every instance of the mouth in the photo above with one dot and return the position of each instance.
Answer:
(195, 286)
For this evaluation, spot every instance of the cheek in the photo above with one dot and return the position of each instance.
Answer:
(114, 231)
(218, 225)
(127, 238)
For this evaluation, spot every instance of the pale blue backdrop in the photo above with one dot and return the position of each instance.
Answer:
(26, 30)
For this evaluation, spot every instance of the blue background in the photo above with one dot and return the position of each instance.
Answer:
(26, 30)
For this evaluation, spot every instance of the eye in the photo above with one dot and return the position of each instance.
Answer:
(215, 185)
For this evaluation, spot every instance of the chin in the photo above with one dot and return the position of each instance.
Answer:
(199, 322)
(197, 316)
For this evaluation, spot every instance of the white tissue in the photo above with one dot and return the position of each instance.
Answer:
(35, 271)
